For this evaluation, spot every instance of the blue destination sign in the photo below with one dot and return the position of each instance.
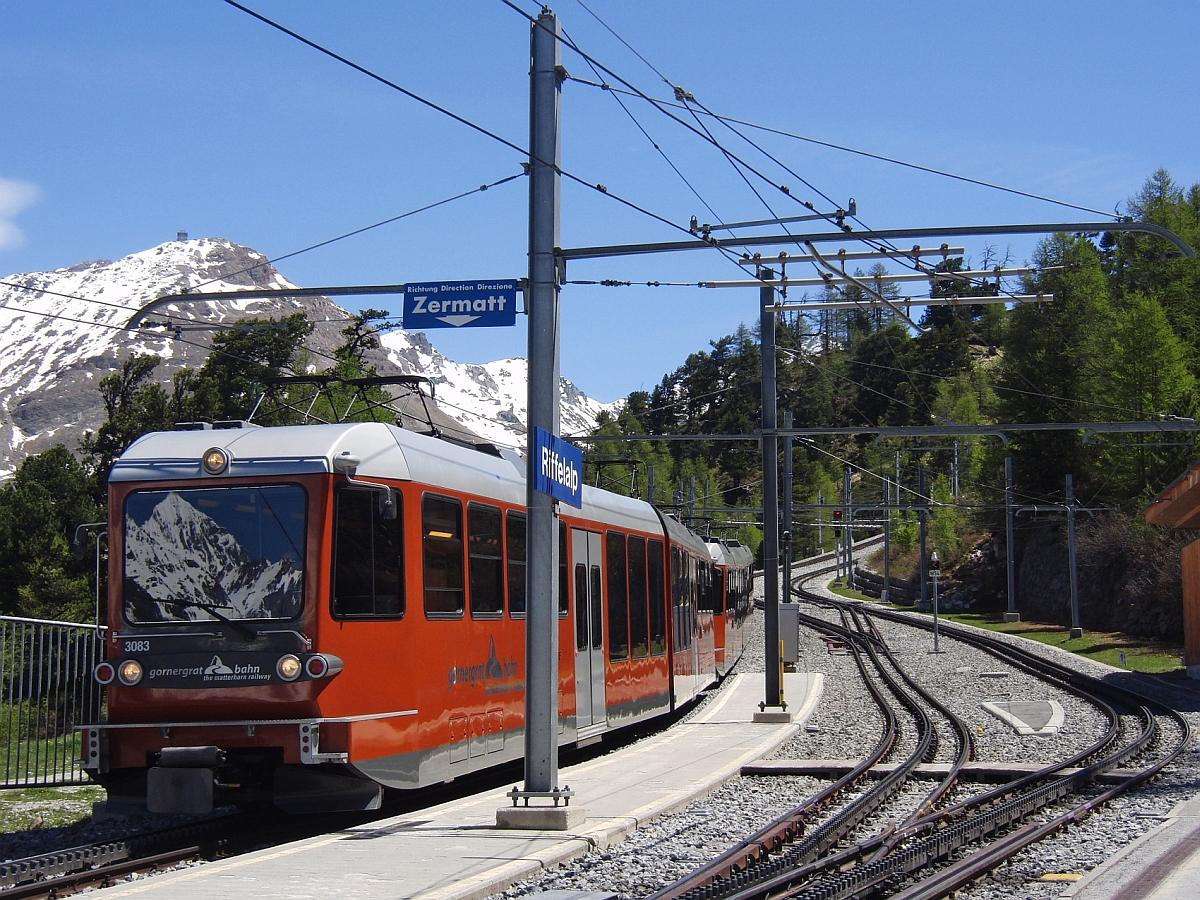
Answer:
(458, 304)
(558, 467)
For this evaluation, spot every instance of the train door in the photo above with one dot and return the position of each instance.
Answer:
(588, 580)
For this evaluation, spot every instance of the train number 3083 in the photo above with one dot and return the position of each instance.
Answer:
(137, 646)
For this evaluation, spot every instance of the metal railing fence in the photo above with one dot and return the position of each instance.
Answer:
(46, 689)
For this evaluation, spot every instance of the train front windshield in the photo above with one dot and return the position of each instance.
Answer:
(238, 551)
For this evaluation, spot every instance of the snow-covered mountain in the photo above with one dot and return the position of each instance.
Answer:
(489, 399)
(62, 331)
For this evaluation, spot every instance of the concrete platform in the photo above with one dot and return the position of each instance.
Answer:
(455, 852)
(1163, 864)
(1042, 718)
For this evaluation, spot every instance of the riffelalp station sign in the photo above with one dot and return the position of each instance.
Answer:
(460, 304)
(559, 468)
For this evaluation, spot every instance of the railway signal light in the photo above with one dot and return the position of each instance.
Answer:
(837, 515)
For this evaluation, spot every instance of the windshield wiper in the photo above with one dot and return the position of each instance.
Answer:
(247, 633)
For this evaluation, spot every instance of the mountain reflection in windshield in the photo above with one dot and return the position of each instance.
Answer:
(240, 549)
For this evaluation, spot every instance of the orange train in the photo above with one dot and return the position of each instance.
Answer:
(306, 615)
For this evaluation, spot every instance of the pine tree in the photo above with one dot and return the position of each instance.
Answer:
(1148, 379)
(48, 497)
(1052, 368)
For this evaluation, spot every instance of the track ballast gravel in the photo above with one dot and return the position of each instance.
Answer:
(847, 724)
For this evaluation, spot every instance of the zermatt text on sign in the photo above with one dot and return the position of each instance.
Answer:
(423, 303)
(458, 304)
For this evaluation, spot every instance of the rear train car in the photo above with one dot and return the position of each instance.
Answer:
(304, 615)
(731, 601)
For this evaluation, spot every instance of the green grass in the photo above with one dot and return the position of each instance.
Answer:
(52, 807)
(841, 590)
(1141, 655)
(32, 759)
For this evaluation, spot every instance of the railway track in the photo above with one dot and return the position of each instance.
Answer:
(104, 876)
(62, 871)
(809, 853)
(90, 864)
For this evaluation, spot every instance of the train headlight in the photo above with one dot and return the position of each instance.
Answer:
(215, 461)
(104, 673)
(129, 672)
(288, 668)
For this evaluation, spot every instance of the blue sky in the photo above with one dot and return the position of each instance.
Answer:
(126, 122)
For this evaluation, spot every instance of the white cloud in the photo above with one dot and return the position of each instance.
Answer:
(15, 197)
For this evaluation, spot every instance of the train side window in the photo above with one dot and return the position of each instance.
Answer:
(516, 564)
(563, 603)
(694, 582)
(638, 643)
(517, 542)
(677, 584)
(658, 612)
(694, 603)
(581, 607)
(485, 550)
(678, 577)
(684, 599)
(368, 570)
(441, 521)
(618, 597)
(596, 581)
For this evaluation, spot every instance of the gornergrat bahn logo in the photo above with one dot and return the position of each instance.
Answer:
(497, 676)
(217, 670)
(210, 669)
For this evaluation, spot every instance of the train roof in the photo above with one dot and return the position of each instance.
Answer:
(733, 554)
(679, 533)
(383, 450)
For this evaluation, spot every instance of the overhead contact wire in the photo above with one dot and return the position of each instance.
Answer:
(357, 231)
(653, 142)
(505, 141)
(48, 315)
(455, 116)
(866, 153)
(656, 104)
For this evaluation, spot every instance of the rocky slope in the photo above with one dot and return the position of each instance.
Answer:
(62, 331)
